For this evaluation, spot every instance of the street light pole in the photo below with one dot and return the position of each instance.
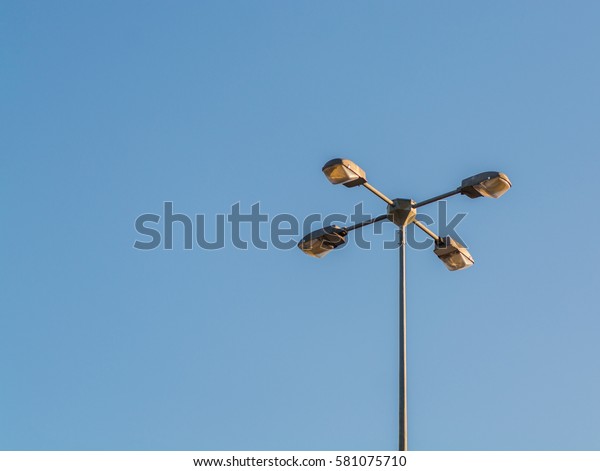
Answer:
(402, 401)
(402, 212)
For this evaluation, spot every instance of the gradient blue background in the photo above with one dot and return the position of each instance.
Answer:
(111, 108)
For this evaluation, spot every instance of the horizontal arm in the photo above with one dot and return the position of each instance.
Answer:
(378, 193)
(424, 228)
(366, 223)
(437, 198)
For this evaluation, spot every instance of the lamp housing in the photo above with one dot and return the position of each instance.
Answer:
(344, 171)
(322, 241)
(489, 184)
(453, 254)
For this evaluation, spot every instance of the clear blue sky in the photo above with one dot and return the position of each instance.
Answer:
(111, 108)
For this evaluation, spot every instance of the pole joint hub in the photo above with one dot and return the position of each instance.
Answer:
(402, 212)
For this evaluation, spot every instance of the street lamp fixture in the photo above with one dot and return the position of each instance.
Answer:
(453, 254)
(402, 212)
(344, 171)
(490, 184)
(349, 174)
(322, 241)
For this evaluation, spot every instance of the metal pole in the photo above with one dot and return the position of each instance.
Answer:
(402, 404)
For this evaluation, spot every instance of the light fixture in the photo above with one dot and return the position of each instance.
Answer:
(320, 242)
(402, 212)
(490, 184)
(453, 254)
(344, 171)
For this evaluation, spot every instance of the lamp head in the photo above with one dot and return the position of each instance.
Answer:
(344, 171)
(453, 254)
(490, 184)
(320, 242)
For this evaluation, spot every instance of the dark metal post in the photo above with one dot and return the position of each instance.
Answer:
(402, 404)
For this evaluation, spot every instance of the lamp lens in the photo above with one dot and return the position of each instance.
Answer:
(494, 187)
(339, 174)
(457, 261)
(315, 248)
